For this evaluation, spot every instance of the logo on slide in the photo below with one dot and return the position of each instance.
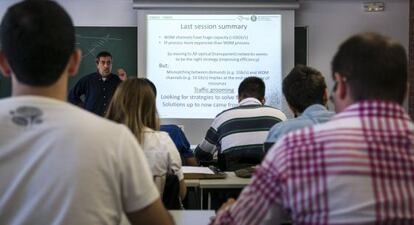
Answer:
(243, 18)
(26, 116)
(253, 18)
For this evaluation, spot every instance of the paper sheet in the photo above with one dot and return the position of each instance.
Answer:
(196, 169)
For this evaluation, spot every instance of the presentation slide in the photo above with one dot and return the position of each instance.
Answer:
(198, 61)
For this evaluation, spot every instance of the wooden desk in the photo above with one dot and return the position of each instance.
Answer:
(191, 217)
(231, 181)
(192, 182)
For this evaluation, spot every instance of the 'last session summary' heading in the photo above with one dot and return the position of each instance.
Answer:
(213, 26)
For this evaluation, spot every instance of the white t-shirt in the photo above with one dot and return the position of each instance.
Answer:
(60, 164)
(161, 153)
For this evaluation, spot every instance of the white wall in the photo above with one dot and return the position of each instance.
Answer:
(93, 12)
(331, 22)
(101, 12)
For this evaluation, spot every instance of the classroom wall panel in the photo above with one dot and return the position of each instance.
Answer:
(331, 22)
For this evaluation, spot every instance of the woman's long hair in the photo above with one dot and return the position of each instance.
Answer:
(133, 104)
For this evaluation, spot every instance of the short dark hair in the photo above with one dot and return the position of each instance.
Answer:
(374, 66)
(37, 38)
(304, 86)
(102, 54)
(252, 87)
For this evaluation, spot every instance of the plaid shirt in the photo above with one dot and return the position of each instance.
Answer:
(357, 168)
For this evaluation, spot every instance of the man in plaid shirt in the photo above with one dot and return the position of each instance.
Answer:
(357, 168)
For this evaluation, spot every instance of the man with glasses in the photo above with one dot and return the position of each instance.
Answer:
(356, 168)
(98, 87)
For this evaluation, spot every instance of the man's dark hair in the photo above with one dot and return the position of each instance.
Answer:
(37, 38)
(102, 54)
(304, 86)
(374, 66)
(253, 87)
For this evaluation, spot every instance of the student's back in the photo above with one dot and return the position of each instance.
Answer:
(356, 168)
(58, 163)
(237, 134)
(57, 168)
(133, 104)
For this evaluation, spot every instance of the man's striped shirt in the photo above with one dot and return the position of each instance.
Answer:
(239, 128)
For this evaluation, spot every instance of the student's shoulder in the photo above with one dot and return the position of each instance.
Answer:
(82, 118)
(266, 109)
(107, 135)
(164, 137)
(289, 125)
(270, 108)
(227, 111)
(302, 131)
(155, 134)
(59, 114)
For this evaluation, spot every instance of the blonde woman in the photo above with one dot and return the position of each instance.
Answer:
(133, 104)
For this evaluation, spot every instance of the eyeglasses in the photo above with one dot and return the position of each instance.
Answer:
(105, 62)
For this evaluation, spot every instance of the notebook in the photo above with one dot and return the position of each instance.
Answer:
(195, 172)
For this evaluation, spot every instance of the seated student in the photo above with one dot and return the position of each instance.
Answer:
(237, 134)
(357, 168)
(178, 137)
(133, 104)
(305, 91)
(60, 164)
(181, 142)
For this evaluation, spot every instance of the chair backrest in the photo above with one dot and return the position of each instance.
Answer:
(238, 159)
(165, 180)
(171, 194)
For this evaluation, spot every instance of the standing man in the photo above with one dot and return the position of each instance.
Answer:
(237, 134)
(98, 87)
(58, 163)
(356, 168)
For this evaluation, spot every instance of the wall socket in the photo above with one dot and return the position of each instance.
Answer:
(374, 6)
